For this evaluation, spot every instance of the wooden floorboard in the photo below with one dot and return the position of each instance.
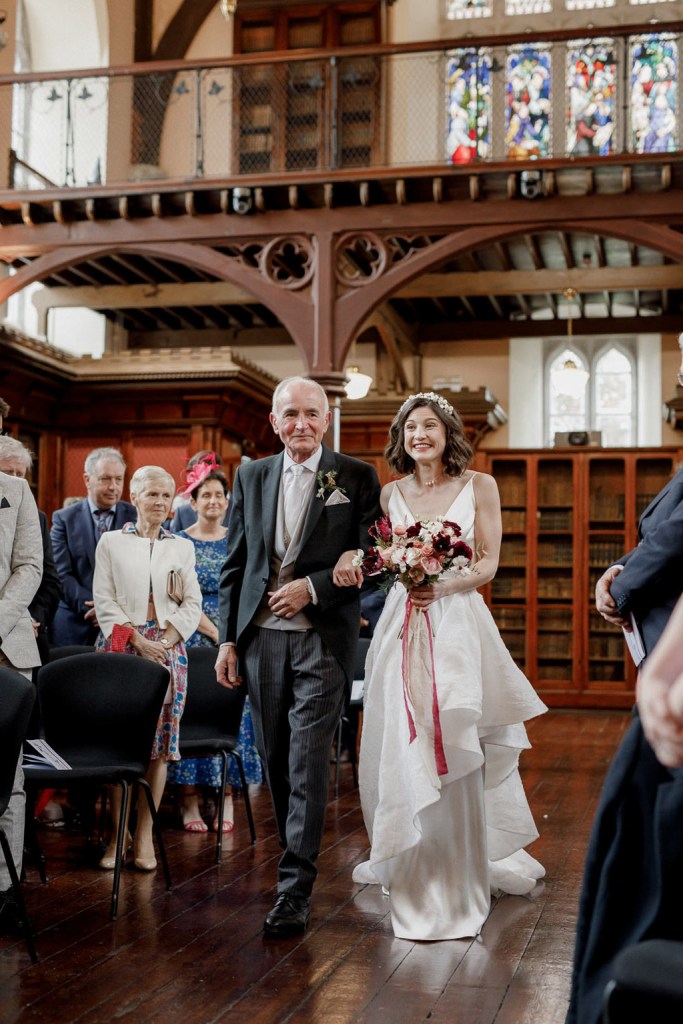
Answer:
(197, 955)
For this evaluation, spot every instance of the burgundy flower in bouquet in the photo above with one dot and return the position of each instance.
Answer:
(414, 555)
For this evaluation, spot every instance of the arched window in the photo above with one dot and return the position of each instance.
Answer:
(567, 393)
(613, 386)
(592, 392)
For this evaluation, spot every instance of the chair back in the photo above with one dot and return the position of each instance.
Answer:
(361, 655)
(101, 708)
(211, 711)
(17, 694)
(68, 651)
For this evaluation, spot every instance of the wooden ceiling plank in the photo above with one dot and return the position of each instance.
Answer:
(534, 251)
(566, 249)
(140, 296)
(582, 279)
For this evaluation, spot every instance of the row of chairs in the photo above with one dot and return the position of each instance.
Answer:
(99, 712)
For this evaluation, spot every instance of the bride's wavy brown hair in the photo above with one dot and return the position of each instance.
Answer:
(457, 454)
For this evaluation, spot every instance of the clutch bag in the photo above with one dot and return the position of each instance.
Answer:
(174, 586)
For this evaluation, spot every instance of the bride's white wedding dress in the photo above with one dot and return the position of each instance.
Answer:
(441, 845)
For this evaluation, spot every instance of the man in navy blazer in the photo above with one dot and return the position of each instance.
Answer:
(633, 881)
(290, 611)
(75, 532)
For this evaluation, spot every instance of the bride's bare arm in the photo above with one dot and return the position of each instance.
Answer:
(487, 537)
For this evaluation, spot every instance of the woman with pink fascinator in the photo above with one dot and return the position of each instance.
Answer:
(206, 488)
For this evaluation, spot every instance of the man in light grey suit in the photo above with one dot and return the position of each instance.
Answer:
(290, 611)
(21, 562)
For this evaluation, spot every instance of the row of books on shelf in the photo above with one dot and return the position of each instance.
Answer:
(555, 519)
(605, 552)
(514, 519)
(559, 552)
(606, 506)
(608, 646)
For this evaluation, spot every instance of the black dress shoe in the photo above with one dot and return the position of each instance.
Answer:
(289, 916)
(10, 914)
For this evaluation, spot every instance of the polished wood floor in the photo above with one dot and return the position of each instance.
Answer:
(197, 956)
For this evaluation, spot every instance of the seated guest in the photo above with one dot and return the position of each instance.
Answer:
(208, 494)
(184, 513)
(75, 534)
(21, 560)
(16, 460)
(147, 603)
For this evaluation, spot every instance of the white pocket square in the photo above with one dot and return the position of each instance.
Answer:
(337, 498)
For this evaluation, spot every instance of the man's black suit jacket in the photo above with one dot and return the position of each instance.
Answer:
(633, 880)
(329, 530)
(73, 544)
(652, 579)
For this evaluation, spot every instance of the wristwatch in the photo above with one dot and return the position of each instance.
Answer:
(165, 641)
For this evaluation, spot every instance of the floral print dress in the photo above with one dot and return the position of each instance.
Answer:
(206, 771)
(166, 737)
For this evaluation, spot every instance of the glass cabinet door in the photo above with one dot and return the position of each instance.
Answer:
(555, 571)
(509, 587)
(607, 542)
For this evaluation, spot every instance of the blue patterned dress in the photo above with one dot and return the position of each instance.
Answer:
(206, 771)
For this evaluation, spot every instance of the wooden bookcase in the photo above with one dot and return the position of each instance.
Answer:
(306, 115)
(567, 515)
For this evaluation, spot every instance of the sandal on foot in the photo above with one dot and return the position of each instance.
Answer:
(195, 826)
(228, 826)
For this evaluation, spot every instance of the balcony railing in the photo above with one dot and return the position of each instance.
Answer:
(496, 100)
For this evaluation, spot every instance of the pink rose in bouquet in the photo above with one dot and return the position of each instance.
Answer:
(414, 555)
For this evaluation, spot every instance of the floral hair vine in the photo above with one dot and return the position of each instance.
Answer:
(198, 473)
(430, 396)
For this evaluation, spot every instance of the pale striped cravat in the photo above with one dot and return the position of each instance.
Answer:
(294, 494)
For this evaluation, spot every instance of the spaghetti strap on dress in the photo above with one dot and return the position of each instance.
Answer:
(442, 844)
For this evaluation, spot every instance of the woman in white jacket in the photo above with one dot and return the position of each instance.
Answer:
(148, 602)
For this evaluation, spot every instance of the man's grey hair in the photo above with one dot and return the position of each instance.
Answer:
(288, 381)
(10, 448)
(102, 453)
(145, 475)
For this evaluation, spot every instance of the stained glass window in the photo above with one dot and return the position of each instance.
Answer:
(591, 91)
(527, 117)
(469, 105)
(613, 401)
(458, 9)
(513, 7)
(654, 88)
(587, 5)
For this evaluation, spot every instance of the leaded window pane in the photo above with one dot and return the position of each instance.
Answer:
(592, 97)
(527, 117)
(469, 105)
(654, 99)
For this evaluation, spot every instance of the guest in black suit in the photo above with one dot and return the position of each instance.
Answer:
(633, 882)
(75, 532)
(16, 460)
(289, 609)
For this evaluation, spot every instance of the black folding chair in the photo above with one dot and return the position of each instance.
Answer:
(100, 713)
(355, 706)
(210, 726)
(646, 984)
(17, 695)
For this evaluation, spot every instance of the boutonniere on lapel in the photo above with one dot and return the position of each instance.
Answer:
(329, 488)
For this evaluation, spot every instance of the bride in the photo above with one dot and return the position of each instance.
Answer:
(442, 843)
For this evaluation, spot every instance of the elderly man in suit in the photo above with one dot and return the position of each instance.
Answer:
(75, 533)
(16, 460)
(289, 611)
(21, 559)
(633, 882)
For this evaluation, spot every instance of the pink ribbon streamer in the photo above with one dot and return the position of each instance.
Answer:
(439, 753)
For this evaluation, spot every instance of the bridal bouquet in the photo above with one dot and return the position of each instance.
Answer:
(414, 555)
